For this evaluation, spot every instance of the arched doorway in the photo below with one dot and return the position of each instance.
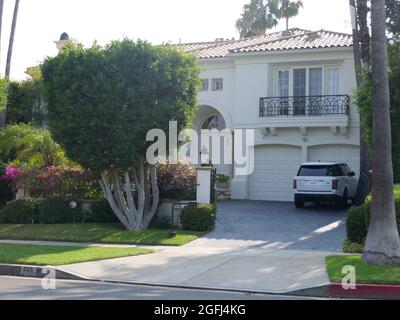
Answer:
(209, 118)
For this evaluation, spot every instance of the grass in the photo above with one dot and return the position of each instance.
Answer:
(61, 255)
(365, 273)
(95, 233)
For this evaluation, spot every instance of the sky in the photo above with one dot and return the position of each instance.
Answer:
(41, 22)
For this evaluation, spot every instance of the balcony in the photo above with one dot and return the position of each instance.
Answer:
(307, 106)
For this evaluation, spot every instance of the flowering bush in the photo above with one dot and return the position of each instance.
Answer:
(11, 174)
(177, 181)
(55, 181)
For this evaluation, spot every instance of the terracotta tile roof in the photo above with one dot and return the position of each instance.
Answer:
(293, 39)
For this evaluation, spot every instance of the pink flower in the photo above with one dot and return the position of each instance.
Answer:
(12, 173)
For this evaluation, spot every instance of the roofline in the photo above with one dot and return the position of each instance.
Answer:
(274, 52)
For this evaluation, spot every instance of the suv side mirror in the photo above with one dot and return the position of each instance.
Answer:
(352, 174)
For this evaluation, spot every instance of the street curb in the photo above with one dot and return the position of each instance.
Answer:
(41, 271)
(36, 272)
(321, 291)
(371, 291)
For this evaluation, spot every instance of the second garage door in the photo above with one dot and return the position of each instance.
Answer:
(337, 153)
(274, 170)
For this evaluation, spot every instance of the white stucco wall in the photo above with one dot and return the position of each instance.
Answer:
(248, 78)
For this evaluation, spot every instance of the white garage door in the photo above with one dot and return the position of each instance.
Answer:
(337, 153)
(274, 170)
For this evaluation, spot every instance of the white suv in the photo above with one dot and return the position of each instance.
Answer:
(324, 181)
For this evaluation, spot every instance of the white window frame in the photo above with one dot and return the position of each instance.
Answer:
(214, 82)
(208, 85)
(307, 67)
(339, 68)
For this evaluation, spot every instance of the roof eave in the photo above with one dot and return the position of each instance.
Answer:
(275, 52)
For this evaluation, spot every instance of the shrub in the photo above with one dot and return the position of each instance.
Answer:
(222, 178)
(352, 247)
(6, 191)
(100, 212)
(57, 210)
(177, 181)
(65, 181)
(20, 212)
(358, 220)
(200, 218)
(161, 222)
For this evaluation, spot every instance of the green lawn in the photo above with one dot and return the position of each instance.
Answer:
(365, 273)
(95, 233)
(60, 255)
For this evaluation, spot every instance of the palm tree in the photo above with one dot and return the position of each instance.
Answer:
(256, 19)
(11, 42)
(1, 19)
(2, 112)
(259, 16)
(287, 9)
(382, 245)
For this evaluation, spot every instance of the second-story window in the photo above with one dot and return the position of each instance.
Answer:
(332, 79)
(217, 84)
(204, 85)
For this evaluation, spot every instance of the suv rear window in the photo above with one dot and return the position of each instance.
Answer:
(320, 171)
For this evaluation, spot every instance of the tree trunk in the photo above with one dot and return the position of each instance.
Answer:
(359, 17)
(382, 245)
(1, 21)
(122, 198)
(365, 38)
(3, 114)
(2, 108)
(11, 42)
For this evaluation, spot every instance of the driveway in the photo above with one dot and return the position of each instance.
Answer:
(276, 225)
(256, 247)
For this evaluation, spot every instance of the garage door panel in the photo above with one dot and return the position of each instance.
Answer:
(274, 170)
(337, 153)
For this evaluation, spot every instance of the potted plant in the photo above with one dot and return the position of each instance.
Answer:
(222, 181)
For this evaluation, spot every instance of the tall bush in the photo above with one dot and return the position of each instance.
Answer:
(177, 181)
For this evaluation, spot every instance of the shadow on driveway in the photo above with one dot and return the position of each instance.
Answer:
(276, 225)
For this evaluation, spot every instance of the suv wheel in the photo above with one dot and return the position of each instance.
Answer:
(343, 201)
(298, 203)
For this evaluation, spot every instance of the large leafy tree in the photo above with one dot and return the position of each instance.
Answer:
(364, 102)
(101, 104)
(393, 17)
(382, 245)
(260, 15)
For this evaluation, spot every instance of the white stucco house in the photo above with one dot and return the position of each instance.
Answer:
(294, 88)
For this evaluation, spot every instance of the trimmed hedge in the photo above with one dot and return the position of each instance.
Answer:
(358, 220)
(57, 210)
(100, 212)
(200, 218)
(6, 193)
(20, 212)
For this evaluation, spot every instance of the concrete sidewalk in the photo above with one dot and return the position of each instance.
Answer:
(252, 270)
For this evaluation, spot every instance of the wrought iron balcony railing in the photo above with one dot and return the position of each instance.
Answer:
(313, 106)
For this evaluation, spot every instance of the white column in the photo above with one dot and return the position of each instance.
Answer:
(204, 185)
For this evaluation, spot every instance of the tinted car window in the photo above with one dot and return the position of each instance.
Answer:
(320, 171)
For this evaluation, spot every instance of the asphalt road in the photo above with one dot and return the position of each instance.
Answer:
(12, 288)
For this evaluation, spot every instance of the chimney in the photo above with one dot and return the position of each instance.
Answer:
(65, 39)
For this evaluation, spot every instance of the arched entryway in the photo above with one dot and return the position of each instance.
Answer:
(209, 118)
